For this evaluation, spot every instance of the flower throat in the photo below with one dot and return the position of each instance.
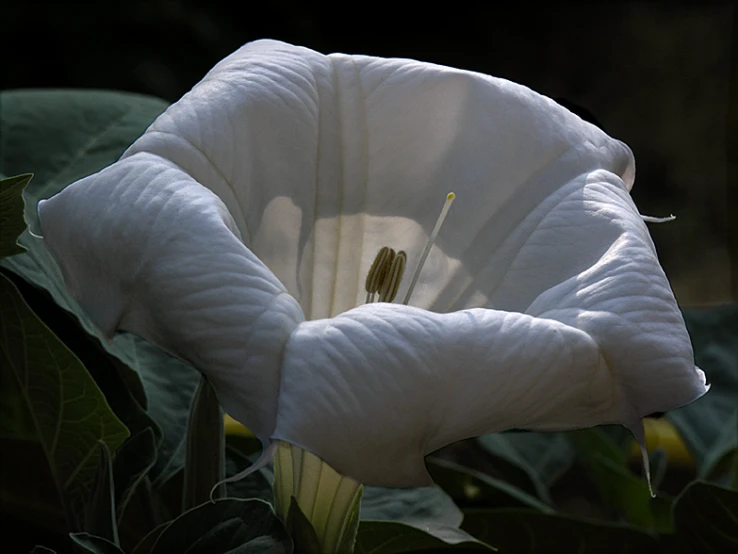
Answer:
(385, 274)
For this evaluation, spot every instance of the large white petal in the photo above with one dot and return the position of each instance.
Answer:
(373, 390)
(388, 384)
(144, 248)
(322, 160)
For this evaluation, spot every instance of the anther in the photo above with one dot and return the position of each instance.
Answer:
(391, 281)
(444, 212)
(380, 268)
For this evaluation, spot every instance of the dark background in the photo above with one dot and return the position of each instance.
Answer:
(661, 76)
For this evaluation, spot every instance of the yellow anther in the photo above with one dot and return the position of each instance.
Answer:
(391, 282)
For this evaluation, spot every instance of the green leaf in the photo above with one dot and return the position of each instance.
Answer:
(702, 424)
(706, 516)
(132, 461)
(417, 506)
(63, 135)
(12, 223)
(256, 485)
(70, 413)
(100, 517)
(393, 537)
(472, 488)
(119, 383)
(16, 420)
(227, 525)
(205, 452)
(529, 461)
(527, 532)
(95, 545)
(620, 489)
(303, 534)
(38, 549)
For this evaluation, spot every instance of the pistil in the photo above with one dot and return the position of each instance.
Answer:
(444, 212)
(386, 273)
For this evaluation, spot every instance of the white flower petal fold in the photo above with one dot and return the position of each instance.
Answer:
(607, 346)
(144, 248)
(238, 231)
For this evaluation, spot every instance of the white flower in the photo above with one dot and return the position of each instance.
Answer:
(238, 231)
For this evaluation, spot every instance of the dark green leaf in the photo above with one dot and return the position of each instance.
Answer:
(527, 532)
(100, 517)
(529, 461)
(63, 136)
(723, 451)
(218, 527)
(393, 537)
(205, 452)
(706, 516)
(416, 506)
(256, 485)
(120, 384)
(95, 545)
(620, 489)
(702, 424)
(132, 461)
(347, 541)
(472, 488)
(16, 420)
(70, 412)
(12, 223)
(303, 534)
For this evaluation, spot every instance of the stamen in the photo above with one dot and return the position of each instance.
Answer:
(377, 272)
(444, 211)
(391, 282)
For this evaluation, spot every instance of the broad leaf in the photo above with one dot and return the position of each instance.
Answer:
(256, 485)
(303, 534)
(702, 423)
(472, 488)
(94, 544)
(706, 516)
(119, 383)
(205, 451)
(12, 223)
(530, 461)
(100, 519)
(428, 510)
(70, 413)
(393, 537)
(528, 532)
(722, 457)
(227, 525)
(619, 489)
(416, 506)
(61, 136)
(132, 461)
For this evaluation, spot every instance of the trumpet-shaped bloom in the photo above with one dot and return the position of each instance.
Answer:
(238, 231)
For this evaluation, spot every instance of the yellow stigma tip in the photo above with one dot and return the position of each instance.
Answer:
(450, 196)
